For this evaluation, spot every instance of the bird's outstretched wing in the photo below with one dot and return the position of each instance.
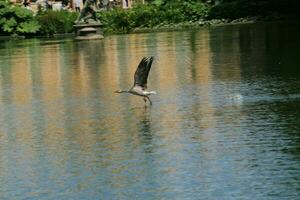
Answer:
(142, 72)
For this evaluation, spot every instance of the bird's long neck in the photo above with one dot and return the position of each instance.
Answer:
(122, 91)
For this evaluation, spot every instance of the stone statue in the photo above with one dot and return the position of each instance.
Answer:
(87, 14)
(87, 26)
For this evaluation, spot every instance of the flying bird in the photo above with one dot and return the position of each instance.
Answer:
(140, 80)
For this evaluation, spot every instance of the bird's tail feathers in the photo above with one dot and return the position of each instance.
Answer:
(152, 92)
(148, 93)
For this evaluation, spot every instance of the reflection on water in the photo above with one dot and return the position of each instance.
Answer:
(224, 125)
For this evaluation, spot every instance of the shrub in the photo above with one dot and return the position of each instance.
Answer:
(56, 22)
(146, 16)
(150, 15)
(16, 20)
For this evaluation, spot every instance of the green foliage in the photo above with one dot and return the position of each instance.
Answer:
(187, 10)
(56, 22)
(16, 20)
(117, 19)
(158, 2)
(9, 25)
(167, 12)
(28, 27)
(144, 16)
(151, 15)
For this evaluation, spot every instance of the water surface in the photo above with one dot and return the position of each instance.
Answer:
(225, 123)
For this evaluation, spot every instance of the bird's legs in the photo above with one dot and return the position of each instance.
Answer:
(145, 99)
(149, 100)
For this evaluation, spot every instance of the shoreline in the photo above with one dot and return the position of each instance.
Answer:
(175, 27)
(211, 23)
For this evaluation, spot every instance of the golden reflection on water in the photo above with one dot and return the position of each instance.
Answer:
(57, 73)
(63, 92)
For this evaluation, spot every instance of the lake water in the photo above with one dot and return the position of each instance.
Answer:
(225, 123)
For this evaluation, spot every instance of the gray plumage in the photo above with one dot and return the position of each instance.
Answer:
(140, 80)
(142, 72)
